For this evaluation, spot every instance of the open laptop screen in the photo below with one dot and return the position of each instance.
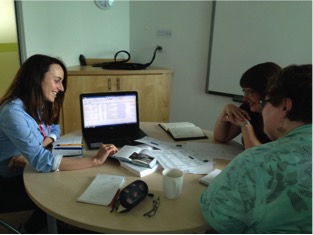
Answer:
(109, 109)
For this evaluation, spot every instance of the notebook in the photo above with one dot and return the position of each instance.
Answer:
(110, 118)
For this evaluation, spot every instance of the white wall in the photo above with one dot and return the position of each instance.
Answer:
(186, 52)
(67, 29)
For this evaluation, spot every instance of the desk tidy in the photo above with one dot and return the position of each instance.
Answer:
(130, 196)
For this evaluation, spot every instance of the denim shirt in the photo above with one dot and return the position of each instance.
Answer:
(20, 134)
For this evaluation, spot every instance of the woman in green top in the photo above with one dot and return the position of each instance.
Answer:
(268, 188)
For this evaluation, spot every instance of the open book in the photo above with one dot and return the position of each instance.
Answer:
(183, 130)
(135, 155)
(102, 189)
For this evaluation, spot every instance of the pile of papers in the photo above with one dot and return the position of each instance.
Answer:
(192, 157)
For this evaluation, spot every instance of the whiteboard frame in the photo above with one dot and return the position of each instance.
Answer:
(278, 46)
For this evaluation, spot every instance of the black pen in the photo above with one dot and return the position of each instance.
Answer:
(190, 157)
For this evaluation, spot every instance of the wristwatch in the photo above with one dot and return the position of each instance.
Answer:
(245, 123)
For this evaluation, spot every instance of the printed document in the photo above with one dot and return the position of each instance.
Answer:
(182, 160)
(209, 151)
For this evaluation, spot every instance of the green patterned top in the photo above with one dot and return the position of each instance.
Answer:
(265, 189)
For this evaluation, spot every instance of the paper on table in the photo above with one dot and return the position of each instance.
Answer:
(209, 177)
(182, 160)
(208, 151)
(102, 189)
(163, 145)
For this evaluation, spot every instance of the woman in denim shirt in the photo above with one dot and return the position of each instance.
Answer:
(29, 123)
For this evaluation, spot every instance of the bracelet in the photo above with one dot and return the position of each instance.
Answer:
(245, 123)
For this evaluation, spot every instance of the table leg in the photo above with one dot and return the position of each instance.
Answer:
(52, 225)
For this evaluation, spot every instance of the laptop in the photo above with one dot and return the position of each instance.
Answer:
(110, 118)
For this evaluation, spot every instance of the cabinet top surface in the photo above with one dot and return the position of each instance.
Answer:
(85, 70)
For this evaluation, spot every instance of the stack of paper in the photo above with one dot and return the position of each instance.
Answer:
(68, 146)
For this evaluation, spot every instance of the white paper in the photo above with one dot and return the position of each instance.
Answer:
(183, 161)
(209, 177)
(102, 189)
(163, 145)
(209, 151)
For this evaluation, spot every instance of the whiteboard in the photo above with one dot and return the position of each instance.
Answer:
(246, 33)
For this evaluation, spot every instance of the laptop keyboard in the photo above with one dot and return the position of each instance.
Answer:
(117, 140)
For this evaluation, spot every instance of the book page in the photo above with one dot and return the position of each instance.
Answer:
(186, 132)
(145, 157)
(167, 126)
(102, 189)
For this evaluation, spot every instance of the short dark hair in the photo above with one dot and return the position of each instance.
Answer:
(258, 76)
(294, 82)
(27, 87)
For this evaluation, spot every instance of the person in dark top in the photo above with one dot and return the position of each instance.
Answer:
(247, 119)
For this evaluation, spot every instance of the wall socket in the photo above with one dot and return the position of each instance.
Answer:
(164, 33)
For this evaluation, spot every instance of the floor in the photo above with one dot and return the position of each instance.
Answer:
(16, 219)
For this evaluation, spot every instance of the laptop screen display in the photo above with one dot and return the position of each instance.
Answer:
(101, 110)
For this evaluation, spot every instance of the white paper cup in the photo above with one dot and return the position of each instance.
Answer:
(172, 182)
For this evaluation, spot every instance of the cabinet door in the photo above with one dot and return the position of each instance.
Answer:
(153, 91)
(77, 85)
(153, 94)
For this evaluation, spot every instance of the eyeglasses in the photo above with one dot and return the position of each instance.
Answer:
(248, 92)
(264, 102)
(155, 206)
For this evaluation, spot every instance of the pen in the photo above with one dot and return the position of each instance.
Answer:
(190, 157)
(69, 145)
(115, 200)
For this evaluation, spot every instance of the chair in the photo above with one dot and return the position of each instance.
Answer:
(5, 228)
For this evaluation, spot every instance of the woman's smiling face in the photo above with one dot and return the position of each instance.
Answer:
(51, 85)
(252, 97)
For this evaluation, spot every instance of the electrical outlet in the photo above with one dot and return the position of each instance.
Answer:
(164, 33)
(159, 48)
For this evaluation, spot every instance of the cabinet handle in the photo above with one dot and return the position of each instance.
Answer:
(118, 84)
(109, 84)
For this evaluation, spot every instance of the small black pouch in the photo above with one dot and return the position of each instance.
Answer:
(132, 194)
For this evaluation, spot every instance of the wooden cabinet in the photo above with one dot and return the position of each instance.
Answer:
(152, 85)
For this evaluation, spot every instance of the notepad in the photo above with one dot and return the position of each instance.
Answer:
(102, 189)
(68, 146)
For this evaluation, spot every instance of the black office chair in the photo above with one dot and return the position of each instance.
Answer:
(5, 228)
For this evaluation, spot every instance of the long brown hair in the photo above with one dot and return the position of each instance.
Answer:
(27, 87)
